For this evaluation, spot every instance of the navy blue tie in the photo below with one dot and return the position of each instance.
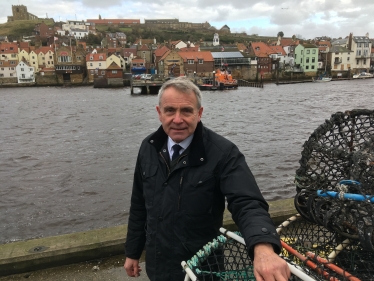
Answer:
(176, 149)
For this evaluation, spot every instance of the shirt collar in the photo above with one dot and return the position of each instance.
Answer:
(184, 144)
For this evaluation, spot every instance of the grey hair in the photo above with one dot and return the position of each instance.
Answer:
(183, 85)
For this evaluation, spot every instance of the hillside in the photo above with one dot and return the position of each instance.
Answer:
(16, 29)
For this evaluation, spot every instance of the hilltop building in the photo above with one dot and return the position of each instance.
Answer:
(19, 12)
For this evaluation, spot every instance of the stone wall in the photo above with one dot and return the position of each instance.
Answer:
(8, 80)
(46, 80)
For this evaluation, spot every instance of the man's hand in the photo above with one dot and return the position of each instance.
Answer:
(132, 267)
(268, 266)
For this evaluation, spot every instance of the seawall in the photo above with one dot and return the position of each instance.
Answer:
(34, 254)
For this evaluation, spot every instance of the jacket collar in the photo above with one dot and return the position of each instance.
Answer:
(196, 155)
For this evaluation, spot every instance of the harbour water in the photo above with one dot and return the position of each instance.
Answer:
(67, 154)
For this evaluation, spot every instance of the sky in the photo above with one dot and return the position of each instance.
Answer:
(304, 18)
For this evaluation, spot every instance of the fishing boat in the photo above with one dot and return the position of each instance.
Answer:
(363, 75)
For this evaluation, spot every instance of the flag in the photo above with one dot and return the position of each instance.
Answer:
(55, 38)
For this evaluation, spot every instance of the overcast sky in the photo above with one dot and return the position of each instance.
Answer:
(308, 18)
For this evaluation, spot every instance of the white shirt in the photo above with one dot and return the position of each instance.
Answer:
(184, 144)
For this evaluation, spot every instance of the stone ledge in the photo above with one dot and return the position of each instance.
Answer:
(30, 255)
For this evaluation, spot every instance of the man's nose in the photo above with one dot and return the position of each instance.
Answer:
(178, 117)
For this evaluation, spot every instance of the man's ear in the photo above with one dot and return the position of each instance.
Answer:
(159, 112)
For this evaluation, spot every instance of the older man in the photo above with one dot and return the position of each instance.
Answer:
(183, 173)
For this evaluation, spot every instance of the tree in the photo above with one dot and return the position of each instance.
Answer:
(281, 34)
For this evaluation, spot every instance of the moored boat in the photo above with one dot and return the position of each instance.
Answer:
(363, 75)
(224, 80)
(322, 79)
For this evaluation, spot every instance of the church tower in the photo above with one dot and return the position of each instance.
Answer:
(215, 39)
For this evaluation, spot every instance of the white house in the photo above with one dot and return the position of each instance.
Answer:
(341, 58)
(78, 33)
(25, 73)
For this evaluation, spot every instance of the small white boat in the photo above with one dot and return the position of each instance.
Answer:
(363, 75)
(322, 79)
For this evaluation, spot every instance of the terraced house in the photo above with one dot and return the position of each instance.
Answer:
(8, 59)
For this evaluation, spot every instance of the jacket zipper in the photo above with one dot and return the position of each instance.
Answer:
(166, 163)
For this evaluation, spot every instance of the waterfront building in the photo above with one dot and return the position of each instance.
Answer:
(260, 52)
(306, 57)
(340, 59)
(70, 64)
(239, 64)
(361, 49)
(45, 58)
(94, 63)
(8, 60)
(25, 73)
(197, 63)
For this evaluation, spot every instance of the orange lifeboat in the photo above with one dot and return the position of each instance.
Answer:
(224, 80)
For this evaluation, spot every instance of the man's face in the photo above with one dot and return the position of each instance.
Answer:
(178, 114)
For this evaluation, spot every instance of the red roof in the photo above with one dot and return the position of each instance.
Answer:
(161, 51)
(206, 56)
(96, 57)
(261, 49)
(277, 50)
(8, 48)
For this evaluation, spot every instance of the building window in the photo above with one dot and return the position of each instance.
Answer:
(22, 69)
(11, 74)
(190, 61)
(302, 51)
(312, 66)
(114, 71)
(50, 57)
(91, 58)
(64, 59)
(1, 75)
(307, 52)
(314, 51)
(307, 60)
(347, 58)
(102, 72)
(301, 60)
(23, 76)
(201, 61)
(356, 61)
(91, 71)
(307, 67)
(91, 64)
(313, 59)
(100, 57)
(31, 69)
(99, 63)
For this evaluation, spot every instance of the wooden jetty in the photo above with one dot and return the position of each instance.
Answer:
(245, 83)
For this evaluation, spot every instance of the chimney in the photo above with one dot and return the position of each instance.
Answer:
(350, 38)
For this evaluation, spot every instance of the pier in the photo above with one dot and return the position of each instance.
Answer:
(145, 87)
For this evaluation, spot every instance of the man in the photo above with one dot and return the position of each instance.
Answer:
(177, 205)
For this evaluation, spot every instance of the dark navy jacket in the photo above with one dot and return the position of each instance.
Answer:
(174, 213)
